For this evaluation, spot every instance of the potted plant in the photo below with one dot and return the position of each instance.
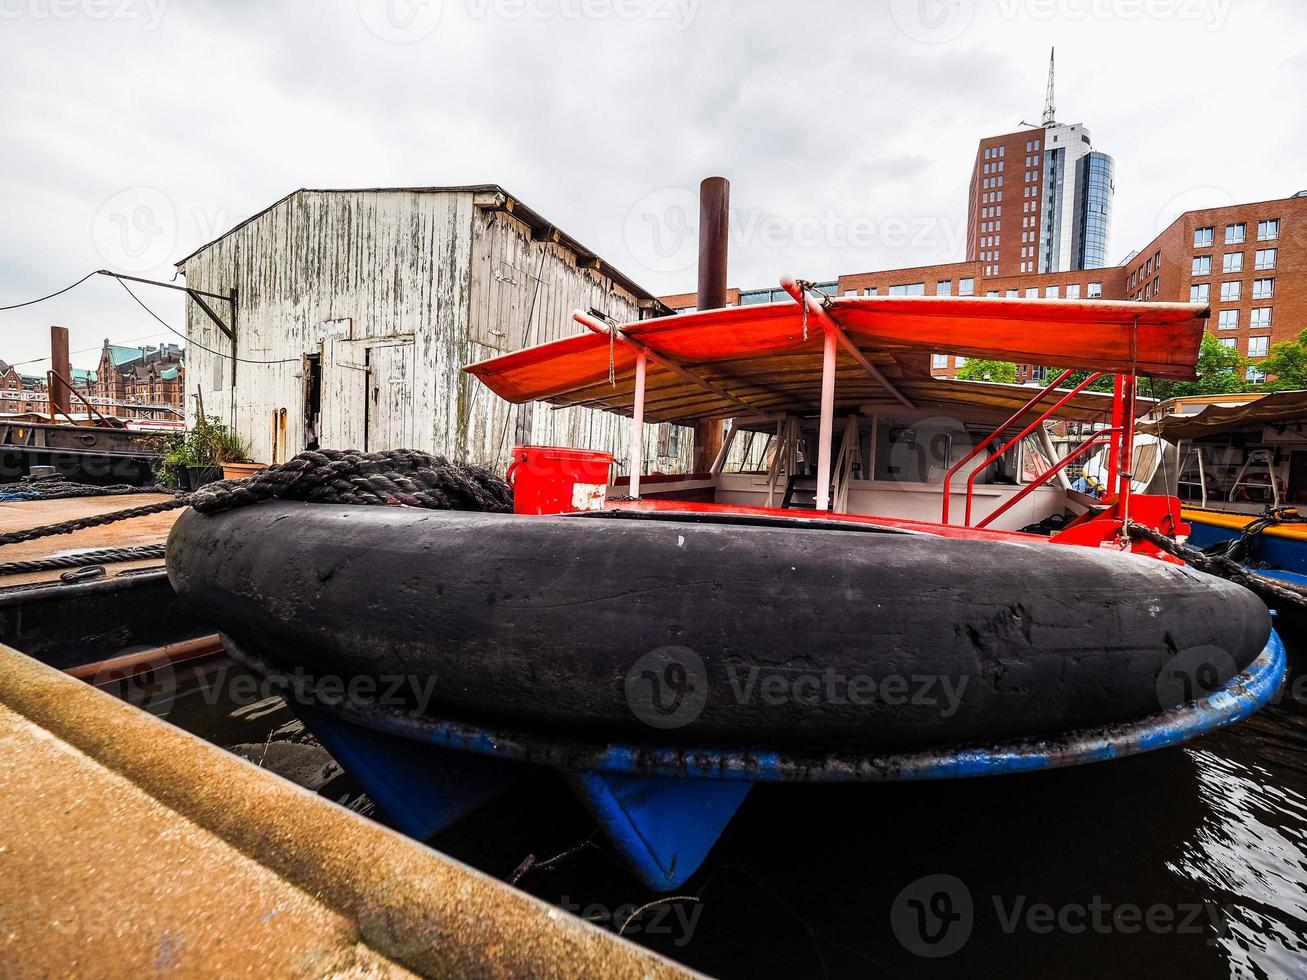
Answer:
(202, 455)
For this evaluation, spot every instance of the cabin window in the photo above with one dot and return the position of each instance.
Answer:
(750, 452)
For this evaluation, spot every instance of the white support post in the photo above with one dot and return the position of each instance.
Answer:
(637, 425)
(824, 438)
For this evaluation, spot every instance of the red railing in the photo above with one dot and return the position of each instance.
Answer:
(971, 480)
(1044, 477)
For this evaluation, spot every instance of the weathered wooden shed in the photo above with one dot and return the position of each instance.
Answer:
(353, 312)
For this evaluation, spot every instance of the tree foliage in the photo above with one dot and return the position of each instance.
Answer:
(999, 372)
(1286, 365)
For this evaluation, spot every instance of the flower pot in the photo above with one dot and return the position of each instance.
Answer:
(198, 476)
(239, 471)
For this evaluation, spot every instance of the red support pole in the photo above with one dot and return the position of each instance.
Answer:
(1114, 448)
(1126, 468)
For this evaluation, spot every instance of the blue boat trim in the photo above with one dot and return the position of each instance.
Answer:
(664, 809)
(1240, 697)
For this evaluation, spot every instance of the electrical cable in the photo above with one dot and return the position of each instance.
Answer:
(232, 357)
(42, 299)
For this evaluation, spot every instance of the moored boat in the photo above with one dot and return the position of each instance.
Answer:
(665, 654)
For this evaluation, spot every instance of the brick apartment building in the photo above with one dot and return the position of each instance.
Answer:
(130, 377)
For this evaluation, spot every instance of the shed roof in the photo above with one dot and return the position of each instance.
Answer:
(1254, 411)
(491, 197)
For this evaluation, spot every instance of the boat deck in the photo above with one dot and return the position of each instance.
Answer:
(20, 515)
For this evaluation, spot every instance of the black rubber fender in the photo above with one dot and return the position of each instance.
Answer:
(713, 632)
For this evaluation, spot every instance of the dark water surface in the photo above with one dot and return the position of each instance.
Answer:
(1187, 862)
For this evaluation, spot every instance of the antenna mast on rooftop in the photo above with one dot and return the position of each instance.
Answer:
(1050, 112)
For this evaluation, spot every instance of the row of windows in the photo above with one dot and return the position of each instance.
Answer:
(1268, 230)
(1231, 292)
(1264, 258)
(994, 152)
(1093, 290)
(943, 287)
(1260, 319)
(988, 182)
(994, 212)
(996, 167)
(940, 361)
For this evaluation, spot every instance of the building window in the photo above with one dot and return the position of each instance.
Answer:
(908, 289)
(1229, 320)
(1234, 234)
(991, 294)
(1268, 230)
(1229, 342)
(1012, 294)
(1265, 259)
(1254, 374)
(1073, 290)
(1257, 346)
(1094, 290)
(1202, 265)
(1230, 291)
(944, 287)
(1202, 237)
(1053, 292)
(1200, 292)
(966, 287)
(1032, 292)
(1261, 318)
(939, 361)
(1263, 288)
(960, 361)
(1232, 262)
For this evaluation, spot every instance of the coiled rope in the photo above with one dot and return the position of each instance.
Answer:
(396, 477)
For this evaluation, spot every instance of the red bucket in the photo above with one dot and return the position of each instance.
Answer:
(551, 480)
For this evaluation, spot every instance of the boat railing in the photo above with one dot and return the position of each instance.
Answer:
(998, 432)
(1044, 477)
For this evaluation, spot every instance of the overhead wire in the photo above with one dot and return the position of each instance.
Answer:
(59, 292)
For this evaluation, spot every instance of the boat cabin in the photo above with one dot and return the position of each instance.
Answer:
(833, 407)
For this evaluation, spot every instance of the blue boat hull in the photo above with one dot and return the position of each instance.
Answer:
(664, 808)
(1280, 553)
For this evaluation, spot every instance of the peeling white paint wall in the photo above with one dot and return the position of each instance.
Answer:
(396, 291)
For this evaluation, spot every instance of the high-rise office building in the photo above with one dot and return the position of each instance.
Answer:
(1040, 199)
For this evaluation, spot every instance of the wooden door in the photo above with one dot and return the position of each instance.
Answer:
(390, 397)
(344, 395)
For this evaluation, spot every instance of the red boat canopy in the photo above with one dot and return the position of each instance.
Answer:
(721, 363)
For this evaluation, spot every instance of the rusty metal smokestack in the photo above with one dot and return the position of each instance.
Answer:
(714, 242)
(60, 398)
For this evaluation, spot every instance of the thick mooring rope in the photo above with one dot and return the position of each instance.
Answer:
(1270, 590)
(98, 556)
(392, 478)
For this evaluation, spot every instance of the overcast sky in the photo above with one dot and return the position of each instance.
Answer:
(134, 131)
